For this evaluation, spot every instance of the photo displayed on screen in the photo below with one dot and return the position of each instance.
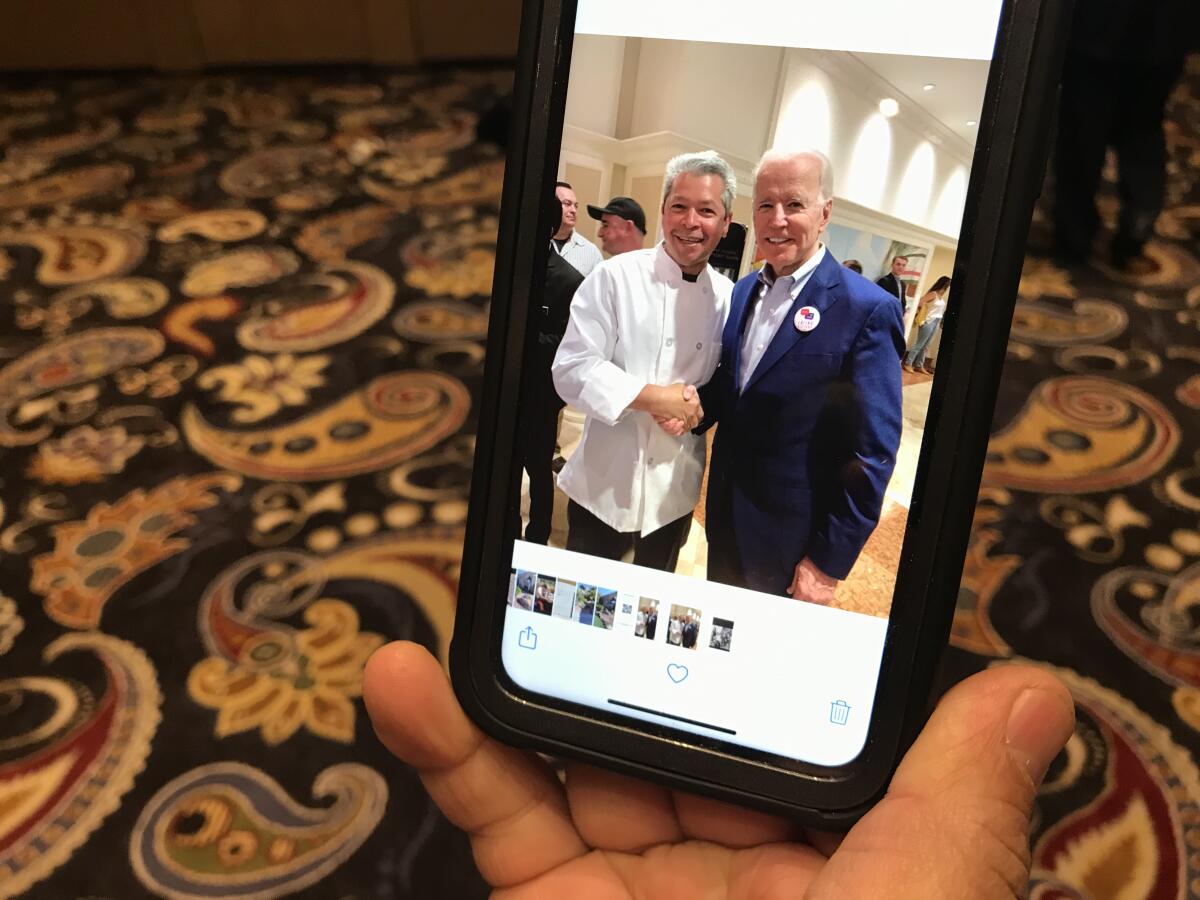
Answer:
(751, 244)
(722, 634)
(647, 619)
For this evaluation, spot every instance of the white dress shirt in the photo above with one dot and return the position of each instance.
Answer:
(775, 299)
(635, 321)
(580, 253)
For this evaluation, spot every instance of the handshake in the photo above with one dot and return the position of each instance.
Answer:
(676, 408)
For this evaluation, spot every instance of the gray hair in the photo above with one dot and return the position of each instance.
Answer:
(706, 163)
(784, 155)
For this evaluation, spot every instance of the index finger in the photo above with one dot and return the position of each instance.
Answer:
(510, 804)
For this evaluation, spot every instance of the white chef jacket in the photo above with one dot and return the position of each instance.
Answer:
(635, 321)
(579, 252)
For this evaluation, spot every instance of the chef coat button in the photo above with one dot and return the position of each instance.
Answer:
(699, 345)
(670, 342)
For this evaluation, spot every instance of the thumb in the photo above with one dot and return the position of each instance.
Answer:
(955, 820)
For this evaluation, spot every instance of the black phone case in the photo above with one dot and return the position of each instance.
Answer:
(1006, 173)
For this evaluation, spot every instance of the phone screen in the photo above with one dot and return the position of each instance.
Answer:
(727, 378)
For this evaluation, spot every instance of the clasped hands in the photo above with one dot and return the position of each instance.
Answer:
(679, 409)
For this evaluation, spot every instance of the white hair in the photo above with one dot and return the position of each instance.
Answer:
(706, 163)
(785, 155)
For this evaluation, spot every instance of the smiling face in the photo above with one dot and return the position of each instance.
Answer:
(570, 206)
(694, 220)
(789, 212)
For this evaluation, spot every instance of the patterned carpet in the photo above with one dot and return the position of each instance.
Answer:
(1085, 555)
(241, 325)
(241, 328)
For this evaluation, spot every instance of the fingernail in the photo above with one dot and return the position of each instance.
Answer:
(1039, 724)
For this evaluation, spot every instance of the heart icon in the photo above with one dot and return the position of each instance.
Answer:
(676, 672)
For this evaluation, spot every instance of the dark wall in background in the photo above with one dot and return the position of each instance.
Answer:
(192, 34)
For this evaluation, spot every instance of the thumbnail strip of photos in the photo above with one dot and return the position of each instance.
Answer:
(595, 606)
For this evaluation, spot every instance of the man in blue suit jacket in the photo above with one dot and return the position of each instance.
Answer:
(806, 399)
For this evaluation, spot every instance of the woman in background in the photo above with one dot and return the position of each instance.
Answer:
(929, 317)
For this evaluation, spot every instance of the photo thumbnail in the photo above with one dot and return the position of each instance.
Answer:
(722, 634)
(626, 618)
(606, 608)
(543, 595)
(647, 619)
(585, 604)
(684, 627)
(564, 598)
(525, 586)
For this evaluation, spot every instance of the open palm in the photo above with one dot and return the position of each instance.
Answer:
(953, 824)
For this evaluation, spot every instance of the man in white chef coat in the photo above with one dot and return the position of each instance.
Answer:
(645, 329)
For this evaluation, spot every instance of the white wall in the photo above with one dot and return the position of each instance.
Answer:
(740, 100)
(901, 167)
(722, 95)
(593, 94)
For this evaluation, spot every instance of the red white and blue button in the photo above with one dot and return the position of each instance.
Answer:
(807, 318)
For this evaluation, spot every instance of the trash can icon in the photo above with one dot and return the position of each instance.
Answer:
(839, 712)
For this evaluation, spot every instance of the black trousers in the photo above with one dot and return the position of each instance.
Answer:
(540, 435)
(657, 550)
(1119, 105)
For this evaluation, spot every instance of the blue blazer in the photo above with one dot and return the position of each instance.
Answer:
(803, 455)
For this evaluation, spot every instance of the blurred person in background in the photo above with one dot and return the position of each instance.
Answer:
(1123, 59)
(543, 404)
(893, 284)
(929, 317)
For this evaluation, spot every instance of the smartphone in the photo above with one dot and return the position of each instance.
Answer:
(728, 456)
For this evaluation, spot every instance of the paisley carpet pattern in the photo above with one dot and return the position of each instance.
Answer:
(241, 334)
(241, 326)
(1085, 554)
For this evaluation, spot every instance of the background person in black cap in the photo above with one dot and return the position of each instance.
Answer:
(622, 225)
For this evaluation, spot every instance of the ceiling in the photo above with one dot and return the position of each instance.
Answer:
(958, 93)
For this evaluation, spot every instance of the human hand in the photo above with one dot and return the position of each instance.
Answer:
(811, 584)
(675, 427)
(954, 822)
(676, 401)
(682, 402)
(692, 412)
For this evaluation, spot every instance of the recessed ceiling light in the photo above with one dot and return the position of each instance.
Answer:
(928, 87)
(889, 107)
(971, 123)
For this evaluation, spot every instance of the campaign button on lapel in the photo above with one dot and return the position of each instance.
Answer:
(807, 318)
